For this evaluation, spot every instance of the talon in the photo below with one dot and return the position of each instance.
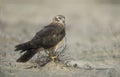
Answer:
(53, 58)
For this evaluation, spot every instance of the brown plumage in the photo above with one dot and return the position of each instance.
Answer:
(47, 38)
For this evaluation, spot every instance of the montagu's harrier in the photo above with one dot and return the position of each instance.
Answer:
(48, 39)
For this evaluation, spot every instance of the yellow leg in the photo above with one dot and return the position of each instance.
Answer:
(51, 53)
(53, 58)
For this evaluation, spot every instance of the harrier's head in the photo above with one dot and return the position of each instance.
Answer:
(59, 19)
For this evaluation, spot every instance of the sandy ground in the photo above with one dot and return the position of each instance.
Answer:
(93, 35)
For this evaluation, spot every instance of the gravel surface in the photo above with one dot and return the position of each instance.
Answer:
(93, 37)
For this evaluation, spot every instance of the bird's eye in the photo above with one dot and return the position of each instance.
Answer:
(60, 18)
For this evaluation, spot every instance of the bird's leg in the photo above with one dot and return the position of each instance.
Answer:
(52, 56)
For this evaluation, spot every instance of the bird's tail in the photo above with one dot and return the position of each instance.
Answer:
(27, 55)
(29, 50)
(23, 47)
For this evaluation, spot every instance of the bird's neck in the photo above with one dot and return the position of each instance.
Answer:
(58, 24)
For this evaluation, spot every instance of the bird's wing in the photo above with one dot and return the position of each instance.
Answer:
(49, 36)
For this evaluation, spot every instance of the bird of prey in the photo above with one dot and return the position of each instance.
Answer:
(48, 39)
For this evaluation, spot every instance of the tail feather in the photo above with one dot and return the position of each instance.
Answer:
(23, 47)
(30, 49)
(27, 56)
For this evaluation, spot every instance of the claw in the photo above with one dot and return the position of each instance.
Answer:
(53, 58)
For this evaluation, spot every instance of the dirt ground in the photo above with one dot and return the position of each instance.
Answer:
(93, 35)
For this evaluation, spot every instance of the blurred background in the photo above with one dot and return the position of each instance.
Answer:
(93, 28)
